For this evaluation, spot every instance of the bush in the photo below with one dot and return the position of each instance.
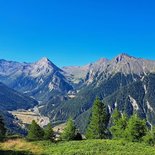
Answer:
(149, 138)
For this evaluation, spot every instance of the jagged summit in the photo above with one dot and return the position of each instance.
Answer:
(44, 60)
(46, 63)
(123, 56)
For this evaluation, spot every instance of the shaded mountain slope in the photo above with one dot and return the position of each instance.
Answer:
(12, 100)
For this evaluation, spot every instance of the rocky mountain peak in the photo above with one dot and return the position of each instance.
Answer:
(42, 68)
(45, 64)
(123, 57)
(44, 61)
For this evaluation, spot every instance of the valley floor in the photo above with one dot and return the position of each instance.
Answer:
(85, 147)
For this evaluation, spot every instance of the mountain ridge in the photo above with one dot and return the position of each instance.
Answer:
(33, 78)
(70, 91)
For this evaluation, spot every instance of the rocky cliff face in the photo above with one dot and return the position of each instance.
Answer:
(130, 65)
(104, 68)
(77, 74)
(124, 64)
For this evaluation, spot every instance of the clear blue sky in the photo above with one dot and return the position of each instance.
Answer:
(76, 32)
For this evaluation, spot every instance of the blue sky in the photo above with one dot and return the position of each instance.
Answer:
(76, 32)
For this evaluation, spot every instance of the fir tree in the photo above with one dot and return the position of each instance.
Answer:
(2, 128)
(35, 132)
(119, 124)
(97, 128)
(48, 133)
(115, 116)
(136, 129)
(69, 131)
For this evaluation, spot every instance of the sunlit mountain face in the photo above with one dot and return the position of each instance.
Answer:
(124, 82)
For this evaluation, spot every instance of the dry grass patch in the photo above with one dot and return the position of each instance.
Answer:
(21, 145)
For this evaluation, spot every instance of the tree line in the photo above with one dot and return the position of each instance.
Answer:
(118, 126)
(102, 125)
(35, 132)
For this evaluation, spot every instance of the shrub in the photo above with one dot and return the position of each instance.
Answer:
(149, 138)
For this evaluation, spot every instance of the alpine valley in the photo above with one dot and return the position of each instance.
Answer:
(125, 82)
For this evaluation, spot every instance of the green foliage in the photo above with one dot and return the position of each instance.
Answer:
(116, 116)
(149, 138)
(48, 133)
(69, 131)
(136, 129)
(35, 132)
(97, 129)
(2, 129)
(85, 147)
(96, 147)
(119, 124)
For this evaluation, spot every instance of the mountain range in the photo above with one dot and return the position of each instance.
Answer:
(125, 82)
(34, 79)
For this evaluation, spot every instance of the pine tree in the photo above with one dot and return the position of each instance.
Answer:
(97, 129)
(2, 129)
(69, 131)
(136, 129)
(119, 124)
(48, 133)
(35, 132)
(116, 116)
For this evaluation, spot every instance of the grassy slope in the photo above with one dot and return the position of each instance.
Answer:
(87, 147)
